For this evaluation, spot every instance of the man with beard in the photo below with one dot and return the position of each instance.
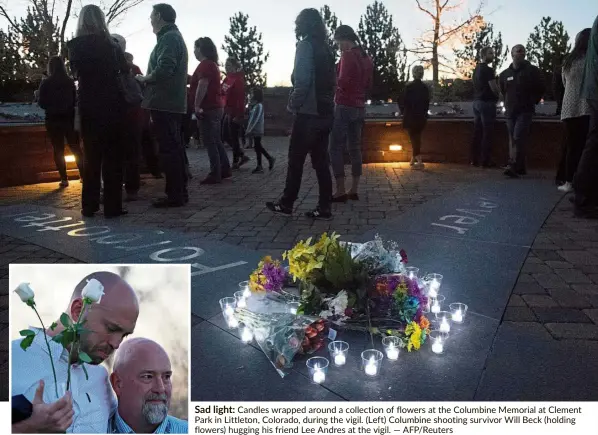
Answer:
(141, 379)
(89, 404)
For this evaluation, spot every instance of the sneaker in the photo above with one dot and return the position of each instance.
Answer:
(567, 187)
(258, 170)
(271, 161)
(64, 183)
(278, 208)
(319, 214)
(244, 160)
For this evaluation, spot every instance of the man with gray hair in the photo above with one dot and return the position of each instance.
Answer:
(141, 379)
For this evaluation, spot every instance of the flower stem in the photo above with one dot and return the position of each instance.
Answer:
(49, 351)
(74, 344)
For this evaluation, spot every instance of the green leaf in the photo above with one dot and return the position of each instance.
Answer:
(84, 357)
(68, 337)
(26, 333)
(53, 326)
(86, 375)
(58, 338)
(26, 342)
(65, 320)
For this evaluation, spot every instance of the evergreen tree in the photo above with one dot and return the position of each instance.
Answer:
(11, 62)
(331, 21)
(382, 41)
(245, 44)
(468, 56)
(548, 45)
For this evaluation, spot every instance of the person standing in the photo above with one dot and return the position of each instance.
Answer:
(415, 105)
(486, 94)
(255, 130)
(585, 181)
(57, 96)
(355, 76)
(96, 61)
(209, 109)
(575, 112)
(165, 96)
(312, 103)
(233, 89)
(522, 85)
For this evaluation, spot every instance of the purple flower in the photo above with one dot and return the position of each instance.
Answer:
(275, 277)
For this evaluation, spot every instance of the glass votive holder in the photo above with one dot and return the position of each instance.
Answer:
(317, 367)
(391, 347)
(228, 305)
(438, 341)
(371, 361)
(292, 307)
(244, 288)
(433, 280)
(246, 334)
(436, 304)
(411, 272)
(458, 311)
(338, 352)
(444, 321)
(241, 299)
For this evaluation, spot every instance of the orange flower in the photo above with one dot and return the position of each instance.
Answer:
(424, 323)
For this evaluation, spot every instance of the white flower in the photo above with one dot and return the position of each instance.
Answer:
(24, 291)
(339, 303)
(93, 290)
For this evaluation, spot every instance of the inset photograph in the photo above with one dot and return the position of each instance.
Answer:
(99, 348)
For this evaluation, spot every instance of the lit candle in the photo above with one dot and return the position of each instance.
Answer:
(293, 310)
(392, 352)
(246, 335)
(241, 303)
(436, 306)
(434, 286)
(444, 325)
(233, 322)
(246, 292)
(411, 275)
(340, 359)
(319, 375)
(229, 311)
(437, 347)
(370, 368)
(457, 316)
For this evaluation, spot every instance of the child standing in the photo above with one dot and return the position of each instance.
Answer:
(255, 130)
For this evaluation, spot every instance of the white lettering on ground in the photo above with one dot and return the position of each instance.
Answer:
(158, 255)
(459, 219)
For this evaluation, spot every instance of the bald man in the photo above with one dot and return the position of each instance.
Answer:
(90, 403)
(141, 379)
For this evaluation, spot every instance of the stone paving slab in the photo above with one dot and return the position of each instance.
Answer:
(525, 365)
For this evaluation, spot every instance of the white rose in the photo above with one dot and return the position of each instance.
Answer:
(93, 290)
(24, 291)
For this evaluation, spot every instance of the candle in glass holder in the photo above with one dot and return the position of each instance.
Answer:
(370, 368)
(437, 347)
(412, 272)
(338, 352)
(317, 367)
(232, 322)
(434, 280)
(371, 361)
(445, 326)
(438, 338)
(244, 287)
(293, 307)
(392, 353)
(443, 318)
(391, 346)
(229, 311)
(340, 359)
(246, 335)
(319, 375)
(458, 311)
(241, 299)
(436, 304)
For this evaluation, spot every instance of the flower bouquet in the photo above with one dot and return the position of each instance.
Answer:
(282, 336)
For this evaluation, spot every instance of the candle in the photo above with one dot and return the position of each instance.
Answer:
(233, 322)
(246, 335)
(229, 310)
(392, 352)
(246, 292)
(458, 317)
(436, 306)
(444, 325)
(370, 368)
(411, 275)
(241, 303)
(437, 347)
(340, 359)
(319, 376)
(293, 310)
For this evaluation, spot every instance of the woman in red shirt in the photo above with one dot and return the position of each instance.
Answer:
(233, 89)
(354, 81)
(208, 103)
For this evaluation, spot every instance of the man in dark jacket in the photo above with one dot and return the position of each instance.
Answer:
(312, 103)
(585, 182)
(522, 86)
(414, 107)
(166, 96)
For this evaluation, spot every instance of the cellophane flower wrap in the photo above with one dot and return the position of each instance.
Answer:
(283, 336)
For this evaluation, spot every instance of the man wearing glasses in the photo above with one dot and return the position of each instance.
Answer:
(522, 86)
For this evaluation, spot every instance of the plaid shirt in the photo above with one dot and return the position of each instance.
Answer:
(169, 425)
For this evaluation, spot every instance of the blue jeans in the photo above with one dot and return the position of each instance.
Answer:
(210, 124)
(484, 115)
(519, 127)
(346, 130)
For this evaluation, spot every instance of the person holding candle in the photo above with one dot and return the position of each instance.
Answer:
(108, 322)
(142, 381)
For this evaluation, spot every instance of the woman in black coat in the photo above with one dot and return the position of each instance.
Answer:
(57, 96)
(96, 61)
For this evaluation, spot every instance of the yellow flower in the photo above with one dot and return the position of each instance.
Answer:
(414, 332)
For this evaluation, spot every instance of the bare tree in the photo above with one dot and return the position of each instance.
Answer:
(443, 32)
